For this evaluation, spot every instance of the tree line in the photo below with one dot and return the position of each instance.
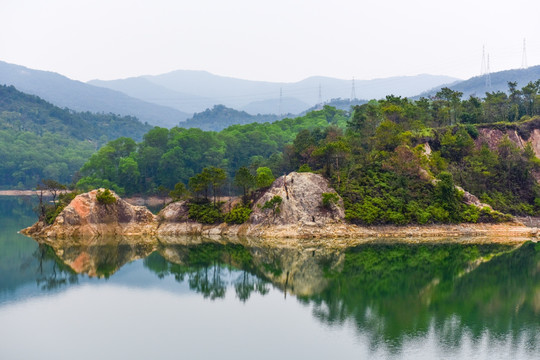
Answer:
(394, 160)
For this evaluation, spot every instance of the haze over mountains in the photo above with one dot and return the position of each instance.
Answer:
(195, 91)
(76, 95)
(169, 99)
(499, 82)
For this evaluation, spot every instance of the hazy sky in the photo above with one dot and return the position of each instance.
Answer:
(277, 40)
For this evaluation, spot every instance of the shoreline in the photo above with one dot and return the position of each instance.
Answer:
(19, 192)
(340, 234)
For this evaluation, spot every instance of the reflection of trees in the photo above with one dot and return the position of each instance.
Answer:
(52, 272)
(397, 292)
(210, 285)
(209, 269)
(391, 292)
(246, 283)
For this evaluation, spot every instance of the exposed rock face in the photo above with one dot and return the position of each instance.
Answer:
(174, 212)
(471, 199)
(85, 216)
(300, 213)
(301, 195)
(492, 137)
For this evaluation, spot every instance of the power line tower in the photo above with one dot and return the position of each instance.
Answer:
(488, 74)
(353, 91)
(524, 56)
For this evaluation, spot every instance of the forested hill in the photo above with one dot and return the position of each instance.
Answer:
(393, 161)
(40, 140)
(478, 85)
(221, 117)
(64, 92)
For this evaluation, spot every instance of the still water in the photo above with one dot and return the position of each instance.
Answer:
(207, 299)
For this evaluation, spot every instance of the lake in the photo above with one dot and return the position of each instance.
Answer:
(206, 299)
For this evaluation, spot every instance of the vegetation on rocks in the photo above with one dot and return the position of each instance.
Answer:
(392, 161)
(105, 197)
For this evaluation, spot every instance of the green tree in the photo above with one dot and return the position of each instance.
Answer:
(265, 178)
(245, 180)
(448, 196)
(179, 191)
(217, 178)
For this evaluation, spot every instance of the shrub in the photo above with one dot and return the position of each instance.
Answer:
(105, 197)
(238, 215)
(304, 168)
(273, 204)
(329, 199)
(205, 213)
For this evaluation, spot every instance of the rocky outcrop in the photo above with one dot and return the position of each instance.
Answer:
(301, 202)
(492, 136)
(85, 216)
(471, 199)
(300, 215)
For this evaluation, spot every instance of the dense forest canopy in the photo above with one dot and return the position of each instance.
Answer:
(39, 140)
(166, 157)
(375, 157)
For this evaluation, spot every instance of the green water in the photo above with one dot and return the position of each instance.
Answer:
(217, 299)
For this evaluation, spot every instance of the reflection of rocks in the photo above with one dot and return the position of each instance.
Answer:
(298, 270)
(101, 258)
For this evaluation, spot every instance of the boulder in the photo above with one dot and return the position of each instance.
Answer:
(174, 212)
(301, 202)
(86, 216)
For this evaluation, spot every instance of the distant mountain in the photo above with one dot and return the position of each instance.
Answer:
(221, 117)
(185, 89)
(499, 82)
(79, 96)
(144, 89)
(39, 140)
(287, 105)
(341, 104)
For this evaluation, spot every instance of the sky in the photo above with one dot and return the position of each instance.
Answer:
(277, 40)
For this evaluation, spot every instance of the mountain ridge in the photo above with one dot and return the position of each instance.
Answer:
(499, 82)
(257, 97)
(79, 96)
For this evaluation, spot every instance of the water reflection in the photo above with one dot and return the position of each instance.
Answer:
(397, 292)
(391, 292)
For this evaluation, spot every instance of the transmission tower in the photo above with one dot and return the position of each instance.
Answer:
(353, 91)
(488, 74)
(524, 56)
(483, 65)
(320, 95)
